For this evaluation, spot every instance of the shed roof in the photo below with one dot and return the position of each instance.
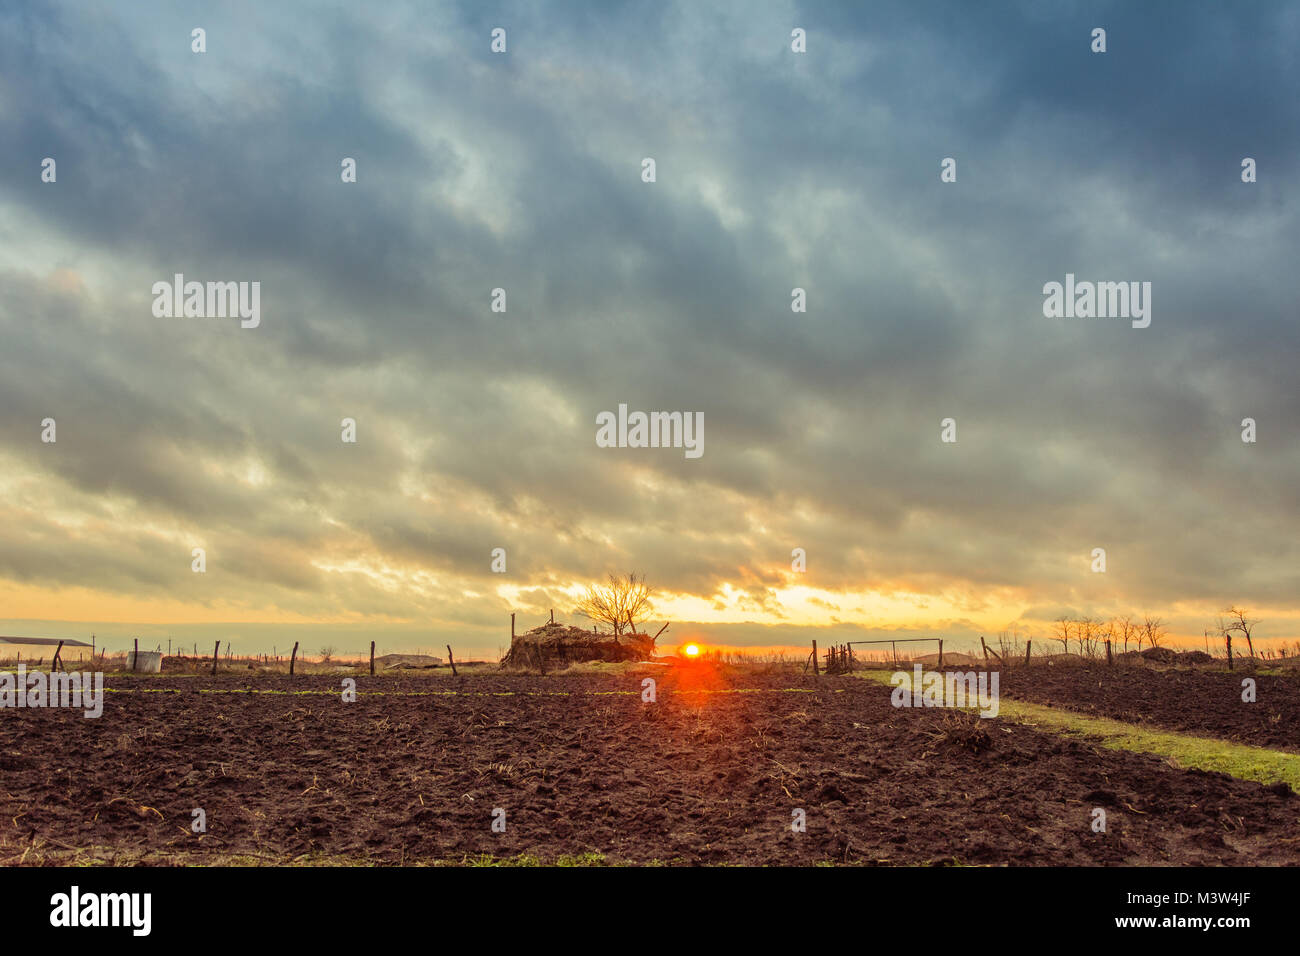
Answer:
(43, 641)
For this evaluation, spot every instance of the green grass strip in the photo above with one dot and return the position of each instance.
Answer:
(1260, 764)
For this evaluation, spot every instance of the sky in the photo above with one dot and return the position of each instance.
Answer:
(523, 171)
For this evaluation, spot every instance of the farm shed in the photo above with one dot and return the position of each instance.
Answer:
(38, 648)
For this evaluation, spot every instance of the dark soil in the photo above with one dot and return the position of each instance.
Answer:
(710, 773)
(1204, 703)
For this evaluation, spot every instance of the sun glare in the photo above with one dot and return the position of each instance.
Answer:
(691, 650)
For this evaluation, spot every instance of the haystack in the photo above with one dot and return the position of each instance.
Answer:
(560, 645)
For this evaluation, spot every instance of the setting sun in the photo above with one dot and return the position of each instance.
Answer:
(691, 650)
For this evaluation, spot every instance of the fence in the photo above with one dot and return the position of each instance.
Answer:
(840, 658)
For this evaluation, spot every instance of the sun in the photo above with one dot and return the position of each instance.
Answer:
(691, 650)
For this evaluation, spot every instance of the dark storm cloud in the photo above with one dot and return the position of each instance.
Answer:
(775, 171)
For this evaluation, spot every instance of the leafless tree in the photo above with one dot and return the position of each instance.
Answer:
(1107, 630)
(1084, 629)
(1239, 620)
(1153, 629)
(620, 602)
(1062, 631)
(1125, 629)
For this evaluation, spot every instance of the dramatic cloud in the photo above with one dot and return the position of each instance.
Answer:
(522, 171)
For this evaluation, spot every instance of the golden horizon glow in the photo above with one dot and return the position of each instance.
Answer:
(794, 606)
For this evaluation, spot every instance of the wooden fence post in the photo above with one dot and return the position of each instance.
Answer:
(816, 672)
(452, 660)
(372, 658)
(135, 661)
(1028, 645)
(941, 653)
(293, 659)
(512, 628)
(58, 661)
(215, 655)
(1108, 657)
(986, 650)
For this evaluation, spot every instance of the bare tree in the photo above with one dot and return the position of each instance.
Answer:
(620, 602)
(1062, 629)
(1084, 628)
(1126, 629)
(1107, 630)
(1153, 629)
(1239, 620)
(326, 654)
